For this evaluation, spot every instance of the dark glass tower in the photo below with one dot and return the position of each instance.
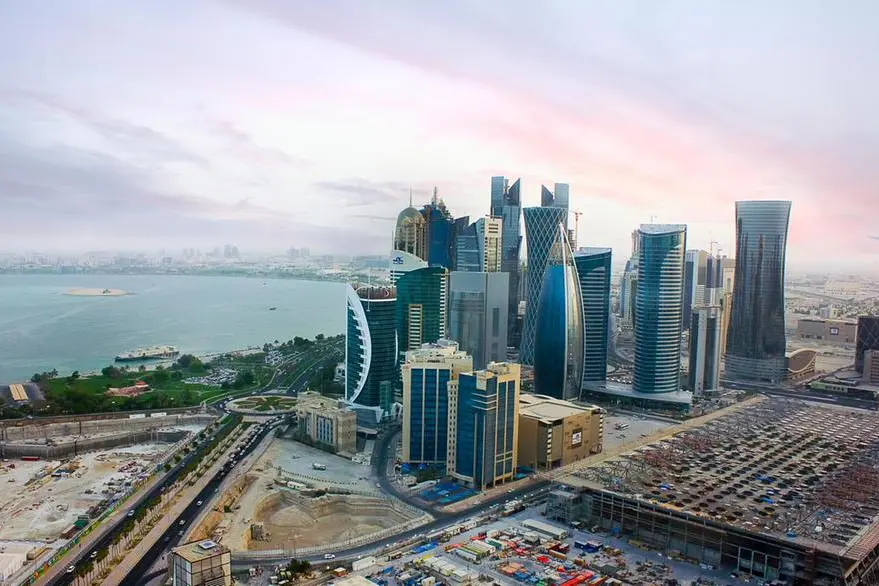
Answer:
(541, 230)
(468, 254)
(755, 347)
(478, 315)
(558, 341)
(422, 301)
(593, 270)
(868, 339)
(659, 307)
(506, 204)
(440, 233)
(371, 346)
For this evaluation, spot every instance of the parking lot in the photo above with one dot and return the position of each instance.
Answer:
(637, 426)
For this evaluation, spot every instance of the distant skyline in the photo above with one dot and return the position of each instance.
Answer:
(271, 124)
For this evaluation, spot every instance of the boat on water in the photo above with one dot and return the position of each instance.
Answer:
(272, 308)
(151, 353)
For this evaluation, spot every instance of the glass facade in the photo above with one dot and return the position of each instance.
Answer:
(558, 342)
(659, 308)
(755, 347)
(868, 339)
(558, 198)
(593, 270)
(371, 346)
(478, 315)
(487, 425)
(410, 234)
(440, 229)
(541, 230)
(468, 257)
(429, 415)
(506, 204)
(422, 297)
(704, 359)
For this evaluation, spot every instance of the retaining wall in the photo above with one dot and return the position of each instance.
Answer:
(37, 429)
(73, 448)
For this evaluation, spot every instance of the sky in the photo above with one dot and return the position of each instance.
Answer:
(276, 123)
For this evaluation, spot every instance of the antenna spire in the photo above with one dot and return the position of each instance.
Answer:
(410, 196)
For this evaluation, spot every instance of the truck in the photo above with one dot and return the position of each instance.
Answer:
(317, 466)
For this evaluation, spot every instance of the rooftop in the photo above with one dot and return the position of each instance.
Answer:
(794, 470)
(197, 551)
(549, 409)
(592, 251)
(662, 228)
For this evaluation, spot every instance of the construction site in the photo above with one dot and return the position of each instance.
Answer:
(779, 490)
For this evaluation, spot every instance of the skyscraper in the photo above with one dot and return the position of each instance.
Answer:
(867, 339)
(403, 262)
(427, 373)
(558, 339)
(440, 235)
(695, 280)
(541, 230)
(558, 198)
(478, 314)
(410, 233)
(371, 347)
(468, 257)
(484, 450)
(489, 237)
(593, 270)
(506, 204)
(704, 367)
(658, 308)
(422, 307)
(756, 345)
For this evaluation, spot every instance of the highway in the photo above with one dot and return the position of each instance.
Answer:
(105, 541)
(171, 537)
(300, 383)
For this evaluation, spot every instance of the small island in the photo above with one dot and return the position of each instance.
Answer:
(86, 292)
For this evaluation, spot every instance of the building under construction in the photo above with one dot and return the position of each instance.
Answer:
(778, 490)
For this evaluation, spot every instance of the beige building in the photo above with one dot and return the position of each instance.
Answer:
(554, 433)
(427, 375)
(871, 367)
(830, 331)
(328, 421)
(491, 244)
(200, 563)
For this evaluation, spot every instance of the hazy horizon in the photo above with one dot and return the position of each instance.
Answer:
(270, 124)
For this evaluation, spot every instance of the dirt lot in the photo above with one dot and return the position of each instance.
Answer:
(36, 505)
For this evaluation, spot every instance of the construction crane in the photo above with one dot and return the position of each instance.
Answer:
(577, 215)
(711, 246)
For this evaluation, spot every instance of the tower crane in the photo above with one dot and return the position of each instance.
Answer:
(577, 215)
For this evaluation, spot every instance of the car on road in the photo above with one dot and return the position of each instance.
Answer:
(329, 556)
(182, 522)
(131, 513)
(71, 569)
(198, 504)
(94, 554)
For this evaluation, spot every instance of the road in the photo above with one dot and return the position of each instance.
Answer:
(170, 538)
(330, 353)
(107, 538)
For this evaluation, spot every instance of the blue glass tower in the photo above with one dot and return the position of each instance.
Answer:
(468, 253)
(593, 270)
(558, 341)
(659, 308)
(440, 233)
(506, 203)
(371, 347)
(422, 307)
(756, 342)
(541, 231)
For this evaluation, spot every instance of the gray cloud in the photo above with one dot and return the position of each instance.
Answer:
(363, 192)
(243, 145)
(873, 237)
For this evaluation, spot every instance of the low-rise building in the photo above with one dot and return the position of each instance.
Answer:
(200, 563)
(554, 433)
(328, 421)
(830, 331)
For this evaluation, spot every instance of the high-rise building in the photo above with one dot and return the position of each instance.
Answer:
(200, 563)
(484, 450)
(506, 203)
(371, 347)
(558, 198)
(704, 367)
(489, 237)
(695, 281)
(422, 307)
(478, 314)
(468, 256)
(867, 339)
(593, 270)
(541, 231)
(440, 235)
(725, 312)
(427, 373)
(755, 348)
(658, 308)
(403, 262)
(410, 233)
(558, 338)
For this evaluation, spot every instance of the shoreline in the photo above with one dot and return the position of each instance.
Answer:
(91, 292)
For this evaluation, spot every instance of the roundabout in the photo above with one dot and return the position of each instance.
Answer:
(263, 405)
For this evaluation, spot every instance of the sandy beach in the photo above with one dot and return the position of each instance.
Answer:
(85, 292)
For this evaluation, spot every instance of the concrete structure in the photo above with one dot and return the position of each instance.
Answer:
(593, 271)
(427, 374)
(558, 333)
(704, 369)
(867, 339)
(201, 563)
(871, 367)
(18, 394)
(328, 421)
(506, 203)
(800, 364)
(486, 429)
(489, 235)
(756, 345)
(827, 331)
(778, 490)
(554, 433)
(659, 308)
(725, 312)
(371, 348)
(478, 314)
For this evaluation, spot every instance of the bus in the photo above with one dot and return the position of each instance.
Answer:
(621, 426)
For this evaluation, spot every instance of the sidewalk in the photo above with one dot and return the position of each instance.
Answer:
(182, 499)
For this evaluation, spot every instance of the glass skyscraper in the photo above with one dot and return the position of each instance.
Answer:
(867, 339)
(371, 346)
(468, 257)
(558, 198)
(484, 452)
(421, 309)
(478, 314)
(440, 233)
(755, 348)
(541, 230)
(558, 340)
(593, 270)
(659, 308)
(506, 203)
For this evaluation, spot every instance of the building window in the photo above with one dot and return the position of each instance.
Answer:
(495, 321)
